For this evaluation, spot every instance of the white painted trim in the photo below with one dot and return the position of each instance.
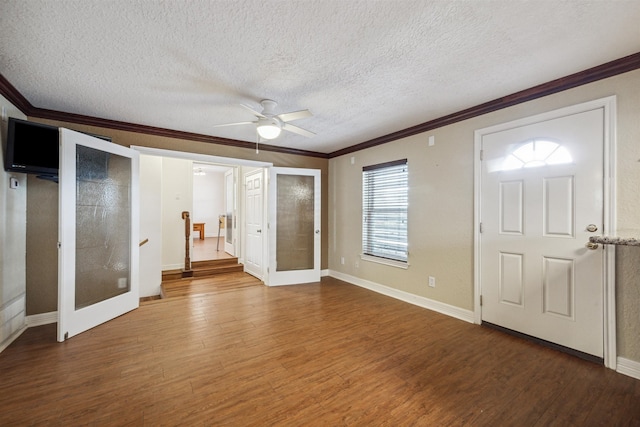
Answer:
(628, 367)
(12, 338)
(200, 157)
(385, 261)
(608, 104)
(324, 273)
(12, 320)
(429, 304)
(42, 319)
(609, 291)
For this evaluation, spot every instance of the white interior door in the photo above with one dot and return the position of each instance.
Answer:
(254, 218)
(541, 199)
(294, 226)
(230, 191)
(98, 232)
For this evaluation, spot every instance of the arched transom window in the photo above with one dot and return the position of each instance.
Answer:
(536, 153)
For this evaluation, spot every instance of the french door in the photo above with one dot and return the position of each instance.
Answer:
(294, 226)
(98, 232)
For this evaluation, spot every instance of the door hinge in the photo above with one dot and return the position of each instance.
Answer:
(481, 227)
(480, 300)
(481, 155)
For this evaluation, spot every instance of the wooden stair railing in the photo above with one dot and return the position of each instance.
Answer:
(187, 271)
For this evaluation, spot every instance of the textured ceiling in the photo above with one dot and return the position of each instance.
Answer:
(364, 68)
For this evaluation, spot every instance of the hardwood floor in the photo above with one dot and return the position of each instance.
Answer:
(208, 249)
(208, 285)
(327, 354)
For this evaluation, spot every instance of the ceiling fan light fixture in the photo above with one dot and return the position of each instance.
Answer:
(269, 128)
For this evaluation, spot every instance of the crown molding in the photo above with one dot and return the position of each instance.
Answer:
(169, 133)
(16, 98)
(609, 69)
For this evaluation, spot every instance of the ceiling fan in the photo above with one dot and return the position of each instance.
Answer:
(269, 124)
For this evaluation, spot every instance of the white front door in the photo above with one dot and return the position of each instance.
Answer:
(294, 226)
(254, 199)
(98, 232)
(230, 211)
(541, 198)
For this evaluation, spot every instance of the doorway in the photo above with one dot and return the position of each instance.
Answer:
(213, 212)
(541, 191)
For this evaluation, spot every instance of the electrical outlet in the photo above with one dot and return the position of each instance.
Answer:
(432, 282)
(122, 283)
(4, 114)
(342, 260)
(357, 264)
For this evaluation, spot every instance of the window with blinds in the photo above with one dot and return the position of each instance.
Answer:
(385, 202)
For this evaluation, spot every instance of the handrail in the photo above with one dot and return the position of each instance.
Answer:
(187, 235)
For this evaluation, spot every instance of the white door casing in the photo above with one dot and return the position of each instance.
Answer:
(294, 226)
(533, 269)
(97, 273)
(230, 226)
(254, 219)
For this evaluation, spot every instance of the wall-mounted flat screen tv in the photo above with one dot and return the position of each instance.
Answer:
(31, 148)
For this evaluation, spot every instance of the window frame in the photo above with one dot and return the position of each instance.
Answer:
(368, 241)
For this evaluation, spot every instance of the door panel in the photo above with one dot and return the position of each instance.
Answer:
(294, 225)
(98, 232)
(541, 185)
(254, 214)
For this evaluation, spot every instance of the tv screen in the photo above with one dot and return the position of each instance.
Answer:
(31, 148)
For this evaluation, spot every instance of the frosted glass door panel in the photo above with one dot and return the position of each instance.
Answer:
(295, 218)
(103, 211)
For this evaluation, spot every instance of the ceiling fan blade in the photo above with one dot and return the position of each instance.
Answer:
(298, 130)
(252, 111)
(294, 115)
(233, 124)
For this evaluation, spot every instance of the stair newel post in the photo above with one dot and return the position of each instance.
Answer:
(187, 272)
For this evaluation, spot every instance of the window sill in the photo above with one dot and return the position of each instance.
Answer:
(384, 261)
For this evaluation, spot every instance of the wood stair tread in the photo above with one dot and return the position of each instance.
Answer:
(201, 269)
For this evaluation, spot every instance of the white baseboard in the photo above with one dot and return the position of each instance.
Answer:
(12, 338)
(628, 367)
(324, 273)
(42, 319)
(440, 307)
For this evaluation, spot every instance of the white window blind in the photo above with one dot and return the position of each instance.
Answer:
(385, 202)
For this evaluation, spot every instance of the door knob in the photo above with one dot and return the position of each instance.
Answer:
(592, 245)
(258, 231)
(592, 228)
(317, 231)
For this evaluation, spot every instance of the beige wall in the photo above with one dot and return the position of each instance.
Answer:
(441, 205)
(13, 204)
(43, 279)
(177, 197)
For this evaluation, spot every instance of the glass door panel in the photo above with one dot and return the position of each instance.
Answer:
(295, 219)
(103, 213)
